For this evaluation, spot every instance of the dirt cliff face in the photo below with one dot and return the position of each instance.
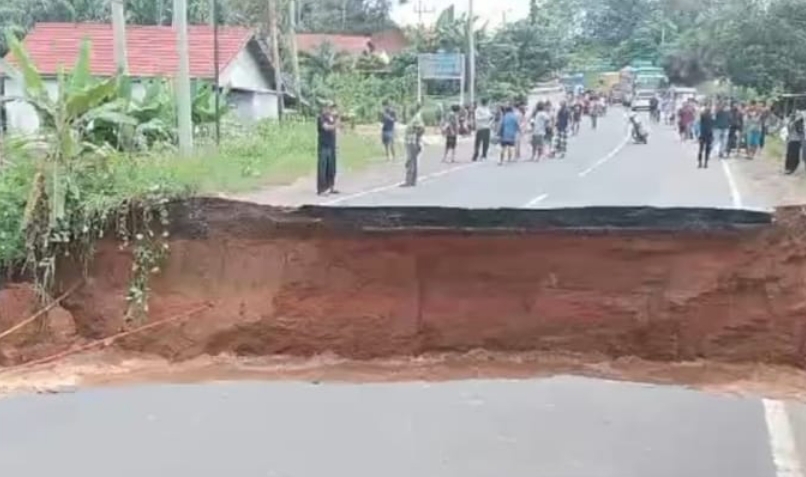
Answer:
(664, 285)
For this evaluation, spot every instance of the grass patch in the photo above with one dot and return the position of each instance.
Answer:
(270, 153)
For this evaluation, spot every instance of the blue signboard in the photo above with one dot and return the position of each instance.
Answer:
(441, 65)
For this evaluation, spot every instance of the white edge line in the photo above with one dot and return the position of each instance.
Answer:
(382, 188)
(536, 201)
(782, 440)
(606, 158)
(734, 190)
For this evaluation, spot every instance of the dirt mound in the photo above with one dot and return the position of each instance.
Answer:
(663, 284)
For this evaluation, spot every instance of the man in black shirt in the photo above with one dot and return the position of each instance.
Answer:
(326, 165)
(706, 138)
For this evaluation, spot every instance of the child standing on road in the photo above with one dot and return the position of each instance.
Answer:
(451, 131)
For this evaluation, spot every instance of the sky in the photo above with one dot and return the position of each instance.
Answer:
(487, 10)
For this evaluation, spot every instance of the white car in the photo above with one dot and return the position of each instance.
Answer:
(641, 100)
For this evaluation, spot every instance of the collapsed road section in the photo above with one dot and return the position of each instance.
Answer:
(664, 284)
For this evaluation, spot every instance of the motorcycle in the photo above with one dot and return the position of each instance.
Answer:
(639, 134)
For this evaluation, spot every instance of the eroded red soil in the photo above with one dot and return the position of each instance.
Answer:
(731, 296)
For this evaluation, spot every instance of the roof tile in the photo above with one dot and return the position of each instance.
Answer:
(151, 50)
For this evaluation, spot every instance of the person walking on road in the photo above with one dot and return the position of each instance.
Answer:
(509, 130)
(484, 118)
(721, 127)
(414, 145)
(388, 122)
(540, 124)
(327, 124)
(706, 137)
(561, 124)
(450, 129)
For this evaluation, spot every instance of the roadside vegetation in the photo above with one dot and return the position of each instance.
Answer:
(103, 162)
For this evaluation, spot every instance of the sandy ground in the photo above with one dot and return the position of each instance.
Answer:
(764, 178)
(116, 368)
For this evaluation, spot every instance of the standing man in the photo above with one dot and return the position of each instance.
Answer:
(326, 165)
(721, 127)
(484, 124)
(577, 116)
(561, 127)
(595, 111)
(388, 122)
(414, 137)
(706, 137)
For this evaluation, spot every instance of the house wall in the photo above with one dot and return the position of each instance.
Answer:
(250, 106)
(259, 102)
(251, 95)
(244, 73)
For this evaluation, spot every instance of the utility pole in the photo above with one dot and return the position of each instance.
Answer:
(216, 73)
(182, 79)
(292, 15)
(119, 36)
(275, 56)
(420, 9)
(471, 48)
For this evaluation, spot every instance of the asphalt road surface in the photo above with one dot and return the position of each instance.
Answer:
(602, 167)
(554, 427)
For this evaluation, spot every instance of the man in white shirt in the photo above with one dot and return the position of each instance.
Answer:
(484, 123)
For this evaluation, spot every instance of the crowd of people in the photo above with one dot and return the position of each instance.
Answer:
(729, 128)
(519, 132)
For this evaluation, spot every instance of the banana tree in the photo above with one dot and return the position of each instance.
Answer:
(66, 120)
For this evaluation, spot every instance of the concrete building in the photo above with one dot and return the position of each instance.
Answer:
(244, 67)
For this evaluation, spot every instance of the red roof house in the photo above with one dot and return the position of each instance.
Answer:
(151, 51)
(390, 42)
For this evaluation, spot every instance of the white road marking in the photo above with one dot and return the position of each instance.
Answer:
(386, 187)
(782, 441)
(606, 158)
(734, 190)
(535, 201)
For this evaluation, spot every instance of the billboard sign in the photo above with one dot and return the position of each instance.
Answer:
(441, 66)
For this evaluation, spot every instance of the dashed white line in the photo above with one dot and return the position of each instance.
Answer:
(386, 187)
(734, 190)
(535, 201)
(782, 441)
